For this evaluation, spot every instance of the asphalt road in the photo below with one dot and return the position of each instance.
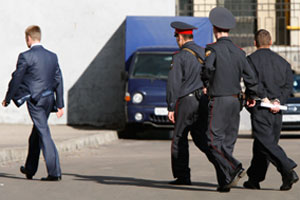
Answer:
(140, 170)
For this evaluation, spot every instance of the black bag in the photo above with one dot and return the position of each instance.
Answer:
(242, 99)
(198, 93)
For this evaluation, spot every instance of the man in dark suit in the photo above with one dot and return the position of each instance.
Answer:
(274, 87)
(38, 80)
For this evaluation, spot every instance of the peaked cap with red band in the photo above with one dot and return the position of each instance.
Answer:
(183, 28)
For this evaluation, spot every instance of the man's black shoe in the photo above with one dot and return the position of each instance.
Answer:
(289, 180)
(51, 178)
(181, 181)
(224, 188)
(237, 175)
(251, 185)
(23, 170)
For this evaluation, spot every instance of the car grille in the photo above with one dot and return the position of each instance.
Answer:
(159, 119)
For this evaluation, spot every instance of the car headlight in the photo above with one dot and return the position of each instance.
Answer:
(137, 98)
(138, 116)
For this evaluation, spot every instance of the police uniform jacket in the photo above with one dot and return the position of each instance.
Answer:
(274, 74)
(184, 75)
(37, 72)
(225, 64)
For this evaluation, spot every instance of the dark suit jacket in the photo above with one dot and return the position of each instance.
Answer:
(37, 71)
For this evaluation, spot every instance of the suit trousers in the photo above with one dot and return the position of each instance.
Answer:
(266, 128)
(40, 138)
(223, 125)
(190, 116)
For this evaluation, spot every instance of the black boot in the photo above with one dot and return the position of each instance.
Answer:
(250, 184)
(181, 181)
(288, 180)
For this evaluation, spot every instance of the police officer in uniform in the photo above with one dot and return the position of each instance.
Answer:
(225, 65)
(275, 86)
(187, 107)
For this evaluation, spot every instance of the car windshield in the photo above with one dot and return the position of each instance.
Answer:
(152, 65)
(296, 84)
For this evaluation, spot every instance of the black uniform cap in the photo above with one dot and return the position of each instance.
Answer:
(222, 18)
(182, 28)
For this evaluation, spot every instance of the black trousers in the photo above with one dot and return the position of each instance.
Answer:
(190, 116)
(40, 138)
(223, 125)
(266, 128)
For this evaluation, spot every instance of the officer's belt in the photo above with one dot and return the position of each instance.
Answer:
(195, 54)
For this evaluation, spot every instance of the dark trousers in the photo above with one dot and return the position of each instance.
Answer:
(223, 125)
(40, 138)
(190, 116)
(266, 128)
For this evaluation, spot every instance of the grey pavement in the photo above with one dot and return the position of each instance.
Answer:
(14, 139)
(140, 170)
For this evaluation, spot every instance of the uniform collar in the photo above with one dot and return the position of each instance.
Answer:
(264, 49)
(224, 38)
(187, 44)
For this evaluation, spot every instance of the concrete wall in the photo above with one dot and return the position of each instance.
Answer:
(86, 35)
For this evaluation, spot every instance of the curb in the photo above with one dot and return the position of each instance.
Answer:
(96, 140)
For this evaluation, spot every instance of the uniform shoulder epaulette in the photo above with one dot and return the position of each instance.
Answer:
(207, 52)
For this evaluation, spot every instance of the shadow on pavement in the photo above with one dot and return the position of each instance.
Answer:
(11, 176)
(130, 181)
(145, 133)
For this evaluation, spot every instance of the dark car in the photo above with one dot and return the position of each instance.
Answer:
(146, 87)
(291, 117)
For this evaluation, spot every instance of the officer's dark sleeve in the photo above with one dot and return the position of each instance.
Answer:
(17, 77)
(208, 69)
(59, 90)
(250, 79)
(288, 86)
(174, 83)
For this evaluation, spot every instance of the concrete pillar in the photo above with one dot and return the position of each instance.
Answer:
(266, 16)
(295, 22)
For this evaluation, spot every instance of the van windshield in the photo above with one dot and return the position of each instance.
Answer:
(152, 65)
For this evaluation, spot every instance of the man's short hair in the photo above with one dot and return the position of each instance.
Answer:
(262, 38)
(34, 32)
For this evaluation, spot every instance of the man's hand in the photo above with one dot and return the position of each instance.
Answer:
(275, 109)
(171, 117)
(266, 100)
(4, 103)
(251, 103)
(60, 112)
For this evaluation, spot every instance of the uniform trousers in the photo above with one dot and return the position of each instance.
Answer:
(266, 128)
(40, 138)
(190, 116)
(223, 125)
